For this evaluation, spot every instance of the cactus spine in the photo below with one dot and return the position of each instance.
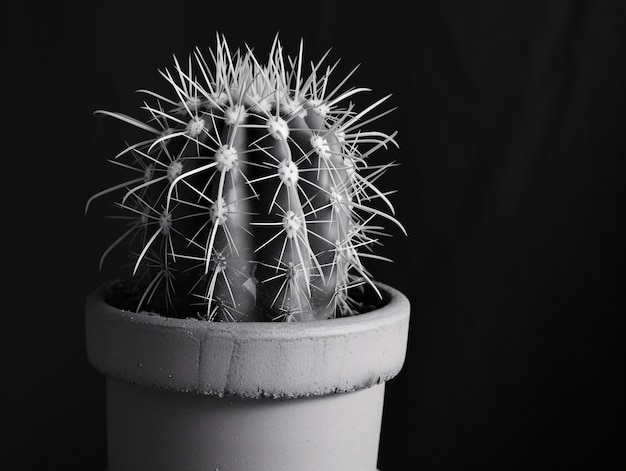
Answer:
(253, 199)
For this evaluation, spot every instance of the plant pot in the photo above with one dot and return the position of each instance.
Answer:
(185, 394)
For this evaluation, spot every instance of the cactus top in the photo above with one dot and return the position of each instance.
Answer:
(254, 197)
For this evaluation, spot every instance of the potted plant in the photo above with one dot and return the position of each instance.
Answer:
(250, 335)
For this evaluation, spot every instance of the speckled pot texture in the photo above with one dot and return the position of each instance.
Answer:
(186, 394)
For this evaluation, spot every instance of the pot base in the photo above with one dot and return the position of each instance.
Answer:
(161, 430)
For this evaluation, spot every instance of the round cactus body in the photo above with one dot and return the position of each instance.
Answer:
(254, 198)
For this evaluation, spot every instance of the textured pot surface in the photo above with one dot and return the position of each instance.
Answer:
(205, 396)
(249, 359)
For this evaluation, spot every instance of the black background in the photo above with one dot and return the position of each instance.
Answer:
(511, 124)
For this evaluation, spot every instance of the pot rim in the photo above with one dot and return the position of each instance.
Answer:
(249, 359)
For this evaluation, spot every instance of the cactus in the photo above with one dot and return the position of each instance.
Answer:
(253, 198)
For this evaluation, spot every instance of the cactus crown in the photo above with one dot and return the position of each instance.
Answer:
(253, 197)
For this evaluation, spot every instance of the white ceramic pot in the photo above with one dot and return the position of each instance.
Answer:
(196, 395)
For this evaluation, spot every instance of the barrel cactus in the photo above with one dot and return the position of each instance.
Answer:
(253, 197)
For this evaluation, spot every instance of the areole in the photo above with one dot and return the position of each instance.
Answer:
(198, 395)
